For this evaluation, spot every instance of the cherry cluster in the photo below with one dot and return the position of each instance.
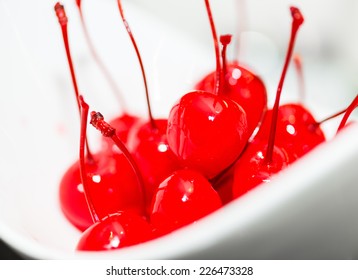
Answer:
(157, 175)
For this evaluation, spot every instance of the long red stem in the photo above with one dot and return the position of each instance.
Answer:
(97, 120)
(349, 111)
(331, 117)
(84, 115)
(297, 20)
(130, 33)
(218, 87)
(100, 64)
(63, 20)
(78, 2)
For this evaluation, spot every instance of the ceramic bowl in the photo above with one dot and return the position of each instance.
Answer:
(307, 211)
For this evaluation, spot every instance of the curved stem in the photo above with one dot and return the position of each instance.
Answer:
(297, 20)
(130, 33)
(218, 88)
(102, 67)
(63, 20)
(349, 111)
(83, 171)
(331, 117)
(97, 120)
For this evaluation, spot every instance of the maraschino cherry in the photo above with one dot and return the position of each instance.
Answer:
(240, 85)
(183, 198)
(297, 130)
(112, 182)
(264, 157)
(115, 230)
(124, 122)
(148, 141)
(207, 131)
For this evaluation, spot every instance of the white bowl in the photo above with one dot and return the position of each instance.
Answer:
(308, 211)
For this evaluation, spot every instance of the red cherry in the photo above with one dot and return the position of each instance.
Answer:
(207, 132)
(245, 88)
(297, 130)
(297, 20)
(115, 231)
(150, 149)
(253, 168)
(240, 85)
(112, 181)
(112, 185)
(262, 159)
(123, 124)
(152, 158)
(183, 198)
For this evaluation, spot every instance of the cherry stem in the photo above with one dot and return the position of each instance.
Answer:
(349, 111)
(218, 89)
(84, 116)
(301, 82)
(100, 64)
(63, 20)
(225, 40)
(78, 2)
(297, 20)
(130, 33)
(97, 120)
(331, 117)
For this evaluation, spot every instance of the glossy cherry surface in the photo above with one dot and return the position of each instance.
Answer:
(297, 130)
(207, 132)
(245, 88)
(253, 168)
(181, 199)
(112, 185)
(149, 147)
(115, 231)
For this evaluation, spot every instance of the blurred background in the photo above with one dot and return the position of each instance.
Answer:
(327, 41)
